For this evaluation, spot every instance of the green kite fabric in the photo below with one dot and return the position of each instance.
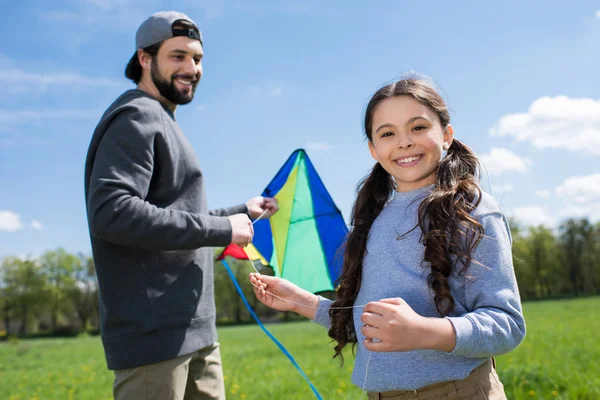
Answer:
(303, 241)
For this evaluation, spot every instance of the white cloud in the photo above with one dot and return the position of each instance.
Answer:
(25, 116)
(55, 78)
(556, 122)
(532, 216)
(578, 196)
(590, 211)
(598, 13)
(267, 89)
(317, 146)
(59, 16)
(120, 14)
(16, 80)
(9, 221)
(91, 19)
(37, 225)
(500, 160)
(503, 188)
(212, 9)
(544, 194)
(106, 4)
(200, 107)
(304, 8)
(581, 190)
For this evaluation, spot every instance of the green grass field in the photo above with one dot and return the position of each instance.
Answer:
(559, 359)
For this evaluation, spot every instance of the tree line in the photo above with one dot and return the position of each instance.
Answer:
(56, 293)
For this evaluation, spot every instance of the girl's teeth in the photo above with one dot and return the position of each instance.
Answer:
(408, 160)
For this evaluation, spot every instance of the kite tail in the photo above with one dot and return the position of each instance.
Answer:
(281, 347)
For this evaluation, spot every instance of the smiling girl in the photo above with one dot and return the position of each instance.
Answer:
(428, 291)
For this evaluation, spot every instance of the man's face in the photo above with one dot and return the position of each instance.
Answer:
(177, 68)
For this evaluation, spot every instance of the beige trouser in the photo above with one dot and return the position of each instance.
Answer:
(482, 384)
(196, 376)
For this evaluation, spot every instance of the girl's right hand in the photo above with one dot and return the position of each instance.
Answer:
(283, 295)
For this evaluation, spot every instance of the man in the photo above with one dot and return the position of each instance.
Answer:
(151, 230)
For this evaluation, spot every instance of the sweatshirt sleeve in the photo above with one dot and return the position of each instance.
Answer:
(322, 315)
(225, 212)
(119, 183)
(495, 323)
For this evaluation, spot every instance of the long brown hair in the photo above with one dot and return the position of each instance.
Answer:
(448, 231)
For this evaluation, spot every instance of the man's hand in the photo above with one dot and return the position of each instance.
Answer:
(241, 228)
(258, 205)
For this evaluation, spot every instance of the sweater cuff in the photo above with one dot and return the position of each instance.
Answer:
(467, 338)
(219, 232)
(241, 209)
(322, 314)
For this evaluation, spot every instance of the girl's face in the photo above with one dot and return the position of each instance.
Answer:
(408, 141)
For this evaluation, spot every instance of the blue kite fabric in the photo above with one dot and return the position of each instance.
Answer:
(303, 241)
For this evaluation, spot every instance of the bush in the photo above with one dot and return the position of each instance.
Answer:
(65, 331)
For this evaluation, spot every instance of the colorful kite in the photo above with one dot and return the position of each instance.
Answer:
(302, 241)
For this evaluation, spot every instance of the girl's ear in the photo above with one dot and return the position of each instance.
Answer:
(373, 152)
(448, 137)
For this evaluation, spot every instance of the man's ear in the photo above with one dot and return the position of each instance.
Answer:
(145, 59)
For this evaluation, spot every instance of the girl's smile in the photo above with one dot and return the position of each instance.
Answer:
(409, 161)
(408, 141)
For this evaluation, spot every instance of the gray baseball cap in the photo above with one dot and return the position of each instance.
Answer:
(159, 27)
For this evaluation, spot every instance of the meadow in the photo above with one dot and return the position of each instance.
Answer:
(559, 359)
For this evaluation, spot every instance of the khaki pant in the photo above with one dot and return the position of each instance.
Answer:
(482, 384)
(196, 376)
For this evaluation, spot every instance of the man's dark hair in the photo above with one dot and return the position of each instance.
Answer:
(133, 70)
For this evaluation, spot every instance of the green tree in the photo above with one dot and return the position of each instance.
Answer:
(7, 304)
(595, 258)
(24, 288)
(589, 257)
(59, 267)
(83, 294)
(521, 261)
(574, 242)
(544, 259)
(230, 307)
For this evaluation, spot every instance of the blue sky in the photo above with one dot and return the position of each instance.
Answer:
(521, 80)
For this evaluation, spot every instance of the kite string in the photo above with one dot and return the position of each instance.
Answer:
(260, 216)
(253, 222)
(293, 302)
(260, 324)
(336, 308)
(301, 304)
(366, 372)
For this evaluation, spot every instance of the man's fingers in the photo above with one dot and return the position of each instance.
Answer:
(270, 204)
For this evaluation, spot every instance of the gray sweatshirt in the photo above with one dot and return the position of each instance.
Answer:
(151, 233)
(487, 316)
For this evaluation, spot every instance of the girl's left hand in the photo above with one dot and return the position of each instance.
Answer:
(392, 325)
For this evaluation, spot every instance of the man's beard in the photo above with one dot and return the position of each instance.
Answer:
(168, 89)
